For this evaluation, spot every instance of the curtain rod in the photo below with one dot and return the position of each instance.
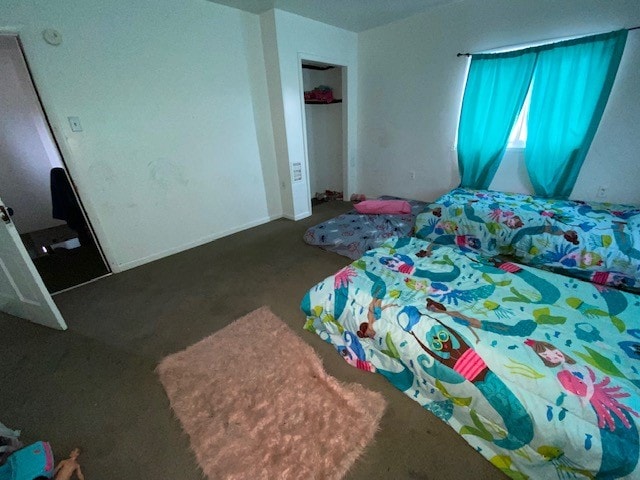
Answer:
(470, 54)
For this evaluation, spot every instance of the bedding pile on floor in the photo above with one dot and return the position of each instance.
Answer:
(538, 372)
(257, 403)
(598, 242)
(353, 233)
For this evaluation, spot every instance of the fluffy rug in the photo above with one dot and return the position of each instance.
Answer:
(257, 404)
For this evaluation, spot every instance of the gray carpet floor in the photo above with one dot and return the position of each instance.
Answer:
(94, 386)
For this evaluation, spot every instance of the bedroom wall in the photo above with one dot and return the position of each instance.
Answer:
(297, 38)
(411, 83)
(177, 147)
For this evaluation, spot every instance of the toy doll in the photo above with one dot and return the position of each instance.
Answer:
(66, 468)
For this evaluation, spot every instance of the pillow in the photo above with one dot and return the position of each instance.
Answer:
(383, 206)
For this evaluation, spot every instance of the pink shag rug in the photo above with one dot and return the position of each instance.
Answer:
(257, 404)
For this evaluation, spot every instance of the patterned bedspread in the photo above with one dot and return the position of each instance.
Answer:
(594, 241)
(352, 233)
(537, 371)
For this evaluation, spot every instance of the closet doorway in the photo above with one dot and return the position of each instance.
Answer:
(35, 186)
(324, 124)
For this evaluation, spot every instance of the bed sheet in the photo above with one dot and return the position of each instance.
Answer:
(598, 242)
(352, 233)
(537, 371)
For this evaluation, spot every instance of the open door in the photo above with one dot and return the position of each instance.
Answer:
(34, 181)
(22, 292)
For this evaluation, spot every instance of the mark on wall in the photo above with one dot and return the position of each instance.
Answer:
(102, 177)
(381, 137)
(164, 172)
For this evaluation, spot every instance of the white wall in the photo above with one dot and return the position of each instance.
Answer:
(297, 38)
(177, 147)
(27, 151)
(411, 83)
(324, 132)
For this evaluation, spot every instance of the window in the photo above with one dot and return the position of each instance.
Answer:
(518, 136)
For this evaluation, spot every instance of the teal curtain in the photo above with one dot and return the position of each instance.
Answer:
(496, 87)
(571, 86)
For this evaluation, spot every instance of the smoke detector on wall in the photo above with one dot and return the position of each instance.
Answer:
(52, 37)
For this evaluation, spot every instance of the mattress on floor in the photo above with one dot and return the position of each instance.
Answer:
(352, 233)
(599, 242)
(537, 371)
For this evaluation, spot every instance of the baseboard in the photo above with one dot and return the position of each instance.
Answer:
(297, 217)
(197, 243)
(83, 283)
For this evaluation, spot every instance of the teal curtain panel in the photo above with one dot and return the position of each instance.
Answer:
(496, 87)
(571, 85)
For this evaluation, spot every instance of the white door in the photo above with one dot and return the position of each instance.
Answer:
(22, 292)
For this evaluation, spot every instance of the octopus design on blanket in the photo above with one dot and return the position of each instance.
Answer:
(618, 430)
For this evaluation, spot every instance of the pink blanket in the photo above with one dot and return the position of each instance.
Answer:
(383, 206)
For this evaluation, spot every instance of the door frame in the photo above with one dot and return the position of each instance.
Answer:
(346, 187)
(58, 143)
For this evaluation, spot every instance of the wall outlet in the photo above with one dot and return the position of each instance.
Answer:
(412, 174)
(602, 191)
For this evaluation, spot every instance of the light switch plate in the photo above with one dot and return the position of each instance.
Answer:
(297, 172)
(74, 122)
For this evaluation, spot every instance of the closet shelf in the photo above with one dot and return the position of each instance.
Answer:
(317, 102)
(317, 67)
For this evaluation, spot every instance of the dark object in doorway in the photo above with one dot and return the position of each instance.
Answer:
(65, 205)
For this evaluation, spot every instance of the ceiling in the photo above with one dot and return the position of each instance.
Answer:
(353, 15)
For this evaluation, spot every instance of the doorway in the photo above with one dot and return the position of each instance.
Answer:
(35, 185)
(324, 130)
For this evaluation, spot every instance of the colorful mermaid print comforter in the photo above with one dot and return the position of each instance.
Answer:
(539, 372)
(353, 233)
(598, 242)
